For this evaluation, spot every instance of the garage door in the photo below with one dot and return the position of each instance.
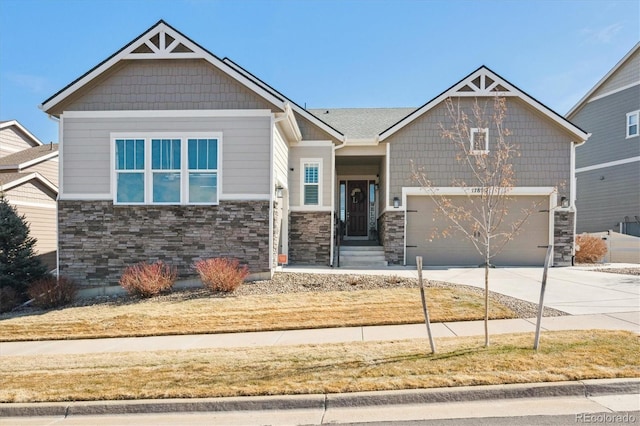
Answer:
(527, 249)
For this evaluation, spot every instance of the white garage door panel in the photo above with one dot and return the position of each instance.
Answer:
(456, 250)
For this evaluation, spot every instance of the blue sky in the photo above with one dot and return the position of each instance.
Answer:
(329, 53)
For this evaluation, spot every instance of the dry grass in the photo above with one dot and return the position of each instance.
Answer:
(249, 313)
(566, 355)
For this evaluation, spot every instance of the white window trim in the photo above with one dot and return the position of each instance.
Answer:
(304, 161)
(626, 123)
(472, 144)
(148, 172)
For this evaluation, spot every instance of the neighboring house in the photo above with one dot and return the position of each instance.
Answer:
(28, 180)
(608, 167)
(171, 153)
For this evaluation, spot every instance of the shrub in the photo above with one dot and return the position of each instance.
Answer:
(221, 274)
(51, 292)
(592, 249)
(148, 279)
(8, 299)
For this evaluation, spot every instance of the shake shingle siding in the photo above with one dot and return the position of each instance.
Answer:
(164, 85)
(545, 151)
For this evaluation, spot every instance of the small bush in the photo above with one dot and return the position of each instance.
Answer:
(148, 279)
(221, 274)
(592, 249)
(8, 299)
(51, 292)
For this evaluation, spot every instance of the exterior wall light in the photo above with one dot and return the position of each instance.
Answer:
(564, 202)
(396, 202)
(279, 191)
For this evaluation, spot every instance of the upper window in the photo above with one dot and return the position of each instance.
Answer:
(311, 179)
(632, 124)
(175, 170)
(479, 141)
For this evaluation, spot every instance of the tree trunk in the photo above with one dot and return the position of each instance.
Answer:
(486, 303)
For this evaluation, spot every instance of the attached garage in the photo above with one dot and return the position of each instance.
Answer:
(528, 248)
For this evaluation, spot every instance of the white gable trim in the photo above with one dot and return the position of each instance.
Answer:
(489, 82)
(15, 123)
(163, 52)
(617, 66)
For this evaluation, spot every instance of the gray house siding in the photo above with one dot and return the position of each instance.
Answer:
(179, 84)
(245, 150)
(296, 153)
(545, 151)
(605, 196)
(605, 119)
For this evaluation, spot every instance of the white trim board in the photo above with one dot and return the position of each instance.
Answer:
(190, 113)
(608, 164)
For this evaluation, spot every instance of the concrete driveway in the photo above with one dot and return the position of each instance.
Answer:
(575, 290)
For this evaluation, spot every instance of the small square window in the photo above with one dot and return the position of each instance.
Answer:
(479, 141)
(632, 124)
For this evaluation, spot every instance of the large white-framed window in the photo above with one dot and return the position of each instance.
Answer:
(633, 119)
(479, 141)
(311, 182)
(166, 168)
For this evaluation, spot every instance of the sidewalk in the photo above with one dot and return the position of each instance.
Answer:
(611, 321)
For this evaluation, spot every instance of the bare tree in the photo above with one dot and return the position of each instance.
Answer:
(484, 216)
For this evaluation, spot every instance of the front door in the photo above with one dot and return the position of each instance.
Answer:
(357, 208)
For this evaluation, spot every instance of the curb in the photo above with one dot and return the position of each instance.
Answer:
(584, 388)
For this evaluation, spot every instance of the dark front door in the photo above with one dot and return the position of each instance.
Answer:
(357, 208)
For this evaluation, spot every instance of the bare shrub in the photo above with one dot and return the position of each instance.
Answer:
(148, 279)
(221, 274)
(51, 292)
(592, 249)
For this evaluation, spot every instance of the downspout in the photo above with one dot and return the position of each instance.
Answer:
(60, 161)
(572, 194)
(333, 199)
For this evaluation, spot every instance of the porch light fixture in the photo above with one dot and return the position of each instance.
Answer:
(279, 191)
(396, 202)
(564, 202)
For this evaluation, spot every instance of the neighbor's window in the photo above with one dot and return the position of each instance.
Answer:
(479, 142)
(632, 124)
(175, 170)
(130, 170)
(311, 183)
(203, 170)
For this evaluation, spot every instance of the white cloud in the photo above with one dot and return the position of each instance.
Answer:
(602, 35)
(33, 83)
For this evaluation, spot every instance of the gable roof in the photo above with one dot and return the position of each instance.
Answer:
(161, 41)
(28, 134)
(294, 106)
(28, 157)
(361, 123)
(602, 81)
(484, 82)
(10, 180)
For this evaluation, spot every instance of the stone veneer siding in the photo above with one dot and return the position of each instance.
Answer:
(563, 237)
(97, 240)
(310, 238)
(391, 229)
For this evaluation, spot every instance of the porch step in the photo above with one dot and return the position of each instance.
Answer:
(362, 256)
